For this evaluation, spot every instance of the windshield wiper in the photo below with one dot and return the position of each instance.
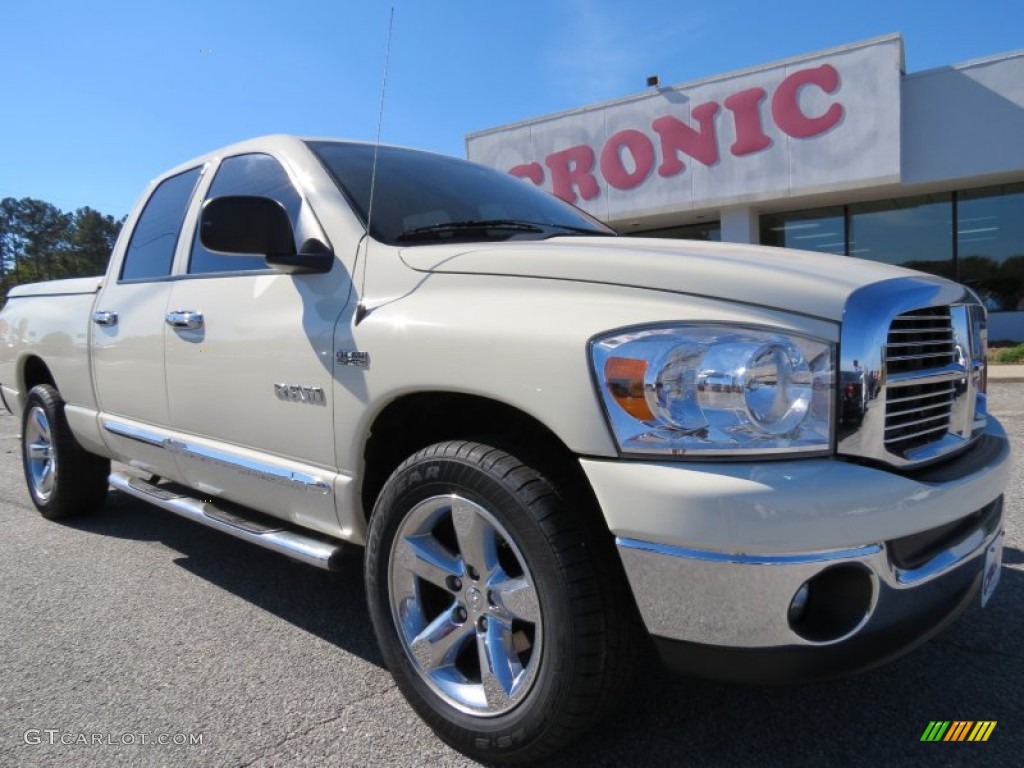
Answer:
(582, 230)
(476, 225)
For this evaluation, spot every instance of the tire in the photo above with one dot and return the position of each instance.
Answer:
(63, 479)
(504, 620)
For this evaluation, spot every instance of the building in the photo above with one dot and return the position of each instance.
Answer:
(839, 151)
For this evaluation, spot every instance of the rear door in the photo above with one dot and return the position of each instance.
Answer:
(128, 329)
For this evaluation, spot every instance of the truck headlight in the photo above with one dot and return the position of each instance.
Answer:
(716, 389)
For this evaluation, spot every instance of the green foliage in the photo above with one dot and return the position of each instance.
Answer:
(1007, 355)
(38, 241)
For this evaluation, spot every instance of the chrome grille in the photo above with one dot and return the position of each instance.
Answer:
(919, 414)
(912, 371)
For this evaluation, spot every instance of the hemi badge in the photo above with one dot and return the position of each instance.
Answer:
(358, 359)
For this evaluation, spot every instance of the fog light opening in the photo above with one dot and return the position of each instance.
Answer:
(833, 604)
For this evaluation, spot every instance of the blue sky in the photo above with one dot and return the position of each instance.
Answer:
(100, 97)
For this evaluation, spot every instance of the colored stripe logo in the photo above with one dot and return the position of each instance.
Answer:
(959, 730)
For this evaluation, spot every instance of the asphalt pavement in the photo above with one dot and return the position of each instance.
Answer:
(136, 637)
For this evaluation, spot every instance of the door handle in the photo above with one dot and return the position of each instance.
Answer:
(186, 319)
(104, 317)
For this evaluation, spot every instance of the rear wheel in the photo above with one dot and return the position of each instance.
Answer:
(63, 479)
(496, 611)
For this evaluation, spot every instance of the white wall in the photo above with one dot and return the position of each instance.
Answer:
(964, 121)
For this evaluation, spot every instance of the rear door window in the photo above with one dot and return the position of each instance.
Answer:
(151, 250)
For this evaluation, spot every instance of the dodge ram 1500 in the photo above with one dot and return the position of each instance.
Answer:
(543, 438)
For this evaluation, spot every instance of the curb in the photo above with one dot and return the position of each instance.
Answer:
(1006, 373)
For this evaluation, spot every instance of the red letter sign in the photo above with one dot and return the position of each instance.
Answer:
(786, 103)
(570, 170)
(531, 171)
(677, 136)
(612, 167)
(746, 110)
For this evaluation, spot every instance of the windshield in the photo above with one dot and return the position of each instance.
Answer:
(423, 198)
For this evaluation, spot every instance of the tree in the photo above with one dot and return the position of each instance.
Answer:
(92, 239)
(38, 241)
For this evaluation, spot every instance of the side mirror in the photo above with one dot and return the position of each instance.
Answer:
(244, 225)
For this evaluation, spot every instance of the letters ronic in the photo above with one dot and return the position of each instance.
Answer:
(572, 169)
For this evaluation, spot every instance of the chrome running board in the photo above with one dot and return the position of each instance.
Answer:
(279, 537)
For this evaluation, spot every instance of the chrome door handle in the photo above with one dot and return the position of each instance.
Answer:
(185, 318)
(104, 317)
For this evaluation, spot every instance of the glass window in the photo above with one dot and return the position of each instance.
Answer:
(151, 249)
(917, 233)
(822, 229)
(706, 230)
(990, 244)
(422, 198)
(255, 174)
(913, 232)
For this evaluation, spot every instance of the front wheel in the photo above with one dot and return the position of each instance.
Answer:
(63, 479)
(495, 610)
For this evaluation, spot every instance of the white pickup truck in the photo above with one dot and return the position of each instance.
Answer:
(546, 437)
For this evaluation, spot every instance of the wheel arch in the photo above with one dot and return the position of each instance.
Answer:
(31, 372)
(417, 420)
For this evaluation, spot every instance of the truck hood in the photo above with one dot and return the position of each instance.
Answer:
(798, 281)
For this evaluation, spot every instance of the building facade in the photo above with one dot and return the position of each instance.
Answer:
(839, 151)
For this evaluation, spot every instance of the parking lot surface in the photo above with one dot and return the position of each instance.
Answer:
(136, 637)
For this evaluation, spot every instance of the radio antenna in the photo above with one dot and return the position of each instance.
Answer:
(361, 310)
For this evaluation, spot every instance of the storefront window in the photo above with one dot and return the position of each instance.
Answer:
(913, 232)
(822, 229)
(710, 230)
(990, 244)
(986, 252)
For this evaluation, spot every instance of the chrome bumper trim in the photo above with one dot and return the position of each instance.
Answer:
(952, 557)
(741, 600)
(742, 559)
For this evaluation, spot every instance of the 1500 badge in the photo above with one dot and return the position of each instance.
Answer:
(300, 393)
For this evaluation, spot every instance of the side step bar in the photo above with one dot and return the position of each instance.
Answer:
(279, 537)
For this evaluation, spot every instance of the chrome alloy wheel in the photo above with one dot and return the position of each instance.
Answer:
(465, 605)
(40, 456)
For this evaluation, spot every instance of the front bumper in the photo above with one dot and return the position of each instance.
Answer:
(716, 553)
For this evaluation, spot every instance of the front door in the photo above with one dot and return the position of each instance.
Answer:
(249, 366)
